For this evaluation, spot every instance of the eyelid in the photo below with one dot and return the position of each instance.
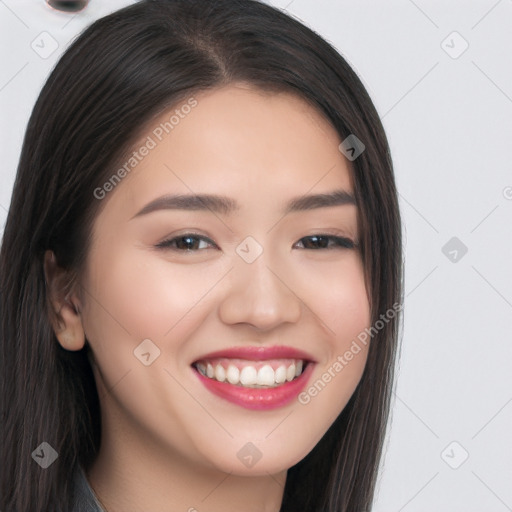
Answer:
(171, 238)
(334, 233)
(347, 242)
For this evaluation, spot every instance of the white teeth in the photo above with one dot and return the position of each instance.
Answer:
(233, 374)
(266, 376)
(280, 374)
(290, 372)
(220, 373)
(248, 376)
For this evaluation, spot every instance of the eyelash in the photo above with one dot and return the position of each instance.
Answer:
(342, 242)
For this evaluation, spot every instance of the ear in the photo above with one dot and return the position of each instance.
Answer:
(64, 311)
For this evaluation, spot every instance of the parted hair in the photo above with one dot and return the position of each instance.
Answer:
(121, 72)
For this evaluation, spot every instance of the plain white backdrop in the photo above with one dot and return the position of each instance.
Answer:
(440, 75)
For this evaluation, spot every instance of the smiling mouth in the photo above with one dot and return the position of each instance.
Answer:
(251, 374)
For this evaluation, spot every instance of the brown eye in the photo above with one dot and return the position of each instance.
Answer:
(189, 242)
(323, 242)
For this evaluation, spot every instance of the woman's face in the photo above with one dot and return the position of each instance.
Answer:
(196, 282)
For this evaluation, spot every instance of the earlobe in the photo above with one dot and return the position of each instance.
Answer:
(71, 341)
(64, 313)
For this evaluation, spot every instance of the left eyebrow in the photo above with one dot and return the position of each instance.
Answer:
(226, 205)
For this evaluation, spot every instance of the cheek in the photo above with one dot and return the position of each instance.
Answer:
(140, 297)
(352, 315)
(348, 310)
(340, 300)
(145, 296)
(337, 295)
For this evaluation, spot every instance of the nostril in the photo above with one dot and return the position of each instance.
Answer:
(68, 5)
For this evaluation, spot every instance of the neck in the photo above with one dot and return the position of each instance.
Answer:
(130, 475)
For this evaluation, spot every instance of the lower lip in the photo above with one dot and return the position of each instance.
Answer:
(258, 398)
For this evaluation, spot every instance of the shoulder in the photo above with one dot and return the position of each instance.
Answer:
(84, 499)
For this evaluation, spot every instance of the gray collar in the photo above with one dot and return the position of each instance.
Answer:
(84, 498)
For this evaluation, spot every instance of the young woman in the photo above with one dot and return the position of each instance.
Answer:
(201, 272)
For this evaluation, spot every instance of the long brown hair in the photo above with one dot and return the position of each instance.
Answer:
(122, 71)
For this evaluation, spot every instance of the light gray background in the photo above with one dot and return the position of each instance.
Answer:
(449, 122)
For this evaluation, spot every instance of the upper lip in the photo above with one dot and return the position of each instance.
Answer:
(259, 353)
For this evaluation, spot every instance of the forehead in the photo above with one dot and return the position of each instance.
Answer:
(236, 141)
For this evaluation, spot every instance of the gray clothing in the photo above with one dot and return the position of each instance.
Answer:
(84, 499)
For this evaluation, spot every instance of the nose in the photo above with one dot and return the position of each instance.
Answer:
(258, 295)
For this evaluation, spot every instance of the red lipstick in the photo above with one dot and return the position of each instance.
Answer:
(261, 398)
(260, 353)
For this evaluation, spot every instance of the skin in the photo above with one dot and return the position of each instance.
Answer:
(167, 442)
